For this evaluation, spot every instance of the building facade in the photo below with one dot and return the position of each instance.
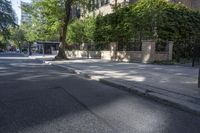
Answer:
(46, 47)
(194, 4)
(188, 3)
(105, 6)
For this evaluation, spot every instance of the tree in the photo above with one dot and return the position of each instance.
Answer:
(56, 16)
(30, 34)
(7, 17)
(2, 42)
(18, 37)
(24, 35)
(81, 30)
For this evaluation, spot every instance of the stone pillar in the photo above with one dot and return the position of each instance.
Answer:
(170, 50)
(148, 51)
(113, 51)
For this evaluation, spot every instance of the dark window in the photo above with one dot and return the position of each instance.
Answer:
(78, 13)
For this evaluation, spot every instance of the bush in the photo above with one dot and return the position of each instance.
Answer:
(146, 19)
(81, 31)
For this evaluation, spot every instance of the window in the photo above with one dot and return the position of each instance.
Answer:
(96, 4)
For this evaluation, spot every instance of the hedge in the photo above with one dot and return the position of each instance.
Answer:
(146, 19)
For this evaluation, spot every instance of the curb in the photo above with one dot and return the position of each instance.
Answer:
(177, 103)
(192, 108)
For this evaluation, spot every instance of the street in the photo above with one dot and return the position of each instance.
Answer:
(41, 98)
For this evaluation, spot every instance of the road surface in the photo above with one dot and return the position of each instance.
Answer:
(41, 98)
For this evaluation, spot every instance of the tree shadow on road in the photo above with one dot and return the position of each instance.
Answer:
(42, 98)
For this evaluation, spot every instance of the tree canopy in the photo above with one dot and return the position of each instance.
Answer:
(17, 37)
(54, 16)
(159, 20)
(7, 17)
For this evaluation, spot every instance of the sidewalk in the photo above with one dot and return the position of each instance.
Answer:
(41, 56)
(175, 84)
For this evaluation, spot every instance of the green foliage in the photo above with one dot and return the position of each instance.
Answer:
(80, 31)
(76, 32)
(114, 27)
(55, 16)
(52, 14)
(182, 26)
(151, 19)
(2, 45)
(146, 19)
(2, 42)
(7, 17)
(17, 37)
(25, 34)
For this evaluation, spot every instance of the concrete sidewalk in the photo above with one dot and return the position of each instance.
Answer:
(171, 83)
(41, 56)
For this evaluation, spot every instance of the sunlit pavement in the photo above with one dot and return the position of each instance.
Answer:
(41, 98)
(172, 83)
(41, 56)
(170, 77)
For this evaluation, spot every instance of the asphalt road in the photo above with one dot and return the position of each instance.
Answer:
(40, 98)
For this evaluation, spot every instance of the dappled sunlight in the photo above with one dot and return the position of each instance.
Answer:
(164, 81)
(5, 73)
(3, 68)
(49, 96)
(44, 76)
(158, 68)
(25, 64)
(180, 74)
(32, 77)
(149, 121)
(171, 77)
(46, 97)
(13, 58)
(191, 82)
(136, 78)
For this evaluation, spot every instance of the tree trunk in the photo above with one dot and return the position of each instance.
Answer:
(20, 48)
(61, 51)
(115, 3)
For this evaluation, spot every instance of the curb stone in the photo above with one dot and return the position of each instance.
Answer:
(177, 103)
